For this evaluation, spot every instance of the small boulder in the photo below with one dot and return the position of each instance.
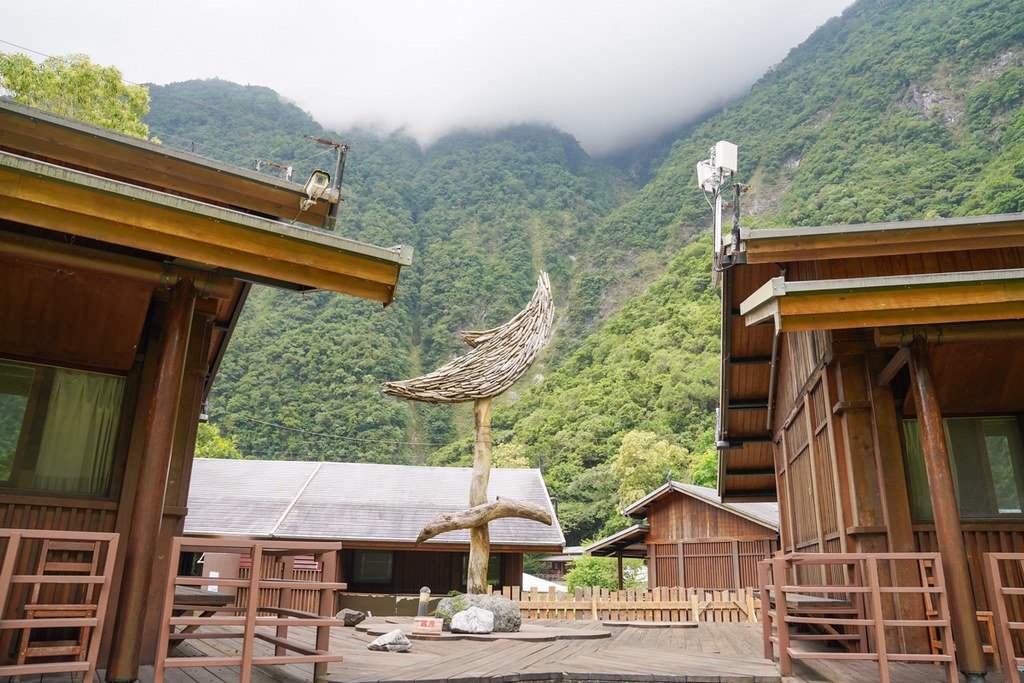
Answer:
(507, 617)
(351, 617)
(473, 620)
(394, 641)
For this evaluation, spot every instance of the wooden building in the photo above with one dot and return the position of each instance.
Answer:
(558, 564)
(871, 383)
(123, 268)
(376, 511)
(692, 539)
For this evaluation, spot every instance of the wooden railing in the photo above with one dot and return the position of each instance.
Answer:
(74, 584)
(636, 604)
(1004, 581)
(840, 596)
(241, 622)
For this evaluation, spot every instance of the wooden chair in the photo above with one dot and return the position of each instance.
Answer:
(49, 600)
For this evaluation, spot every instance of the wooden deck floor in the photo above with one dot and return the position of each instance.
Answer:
(710, 652)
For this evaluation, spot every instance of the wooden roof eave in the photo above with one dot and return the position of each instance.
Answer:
(253, 248)
(886, 301)
(643, 506)
(725, 441)
(620, 541)
(880, 239)
(33, 132)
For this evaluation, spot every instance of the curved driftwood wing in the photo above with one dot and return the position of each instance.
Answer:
(500, 356)
(482, 514)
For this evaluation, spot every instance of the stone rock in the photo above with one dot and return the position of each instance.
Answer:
(473, 620)
(351, 617)
(507, 617)
(394, 641)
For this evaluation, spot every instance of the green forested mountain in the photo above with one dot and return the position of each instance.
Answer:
(896, 110)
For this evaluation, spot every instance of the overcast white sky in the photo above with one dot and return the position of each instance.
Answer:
(608, 72)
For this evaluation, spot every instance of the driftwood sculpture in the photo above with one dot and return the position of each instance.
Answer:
(499, 358)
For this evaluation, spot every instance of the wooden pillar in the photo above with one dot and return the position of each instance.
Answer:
(141, 546)
(652, 567)
(619, 555)
(895, 500)
(963, 611)
(479, 536)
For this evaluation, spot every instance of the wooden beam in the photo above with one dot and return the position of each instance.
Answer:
(963, 609)
(893, 367)
(151, 487)
(137, 217)
(958, 333)
(895, 499)
(760, 472)
(851, 241)
(885, 301)
(94, 261)
(751, 360)
(81, 145)
(749, 404)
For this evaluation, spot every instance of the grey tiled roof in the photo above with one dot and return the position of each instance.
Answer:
(352, 501)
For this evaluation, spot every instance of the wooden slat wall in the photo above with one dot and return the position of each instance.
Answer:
(978, 540)
(273, 568)
(806, 457)
(19, 512)
(22, 512)
(681, 516)
(711, 564)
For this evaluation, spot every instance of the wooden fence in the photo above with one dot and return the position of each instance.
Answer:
(637, 604)
(306, 600)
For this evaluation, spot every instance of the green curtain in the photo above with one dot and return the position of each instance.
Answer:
(77, 443)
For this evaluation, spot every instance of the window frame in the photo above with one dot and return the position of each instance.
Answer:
(10, 488)
(924, 486)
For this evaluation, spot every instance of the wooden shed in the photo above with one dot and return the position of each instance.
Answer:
(692, 539)
(123, 268)
(871, 383)
(376, 511)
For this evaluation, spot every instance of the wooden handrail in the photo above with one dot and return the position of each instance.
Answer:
(251, 615)
(786, 601)
(19, 543)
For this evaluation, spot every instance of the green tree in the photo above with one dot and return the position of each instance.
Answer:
(210, 443)
(645, 462)
(510, 456)
(73, 86)
(604, 572)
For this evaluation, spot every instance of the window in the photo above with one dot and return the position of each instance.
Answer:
(493, 570)
(987, 459)
(57, 427)
(372, 566)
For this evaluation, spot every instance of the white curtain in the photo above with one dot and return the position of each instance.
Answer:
(77, 444)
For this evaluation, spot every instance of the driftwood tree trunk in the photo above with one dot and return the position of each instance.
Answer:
(479, 536)
(482, 514)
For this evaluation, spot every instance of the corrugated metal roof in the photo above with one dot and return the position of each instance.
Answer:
(353, 501)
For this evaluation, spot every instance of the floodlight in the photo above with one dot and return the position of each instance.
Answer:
(319, 187)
